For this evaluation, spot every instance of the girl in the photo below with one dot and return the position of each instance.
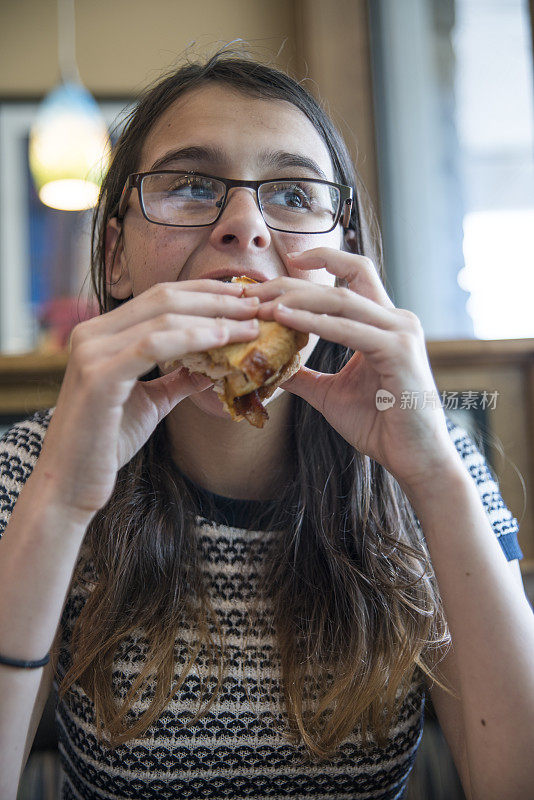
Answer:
(239, 612)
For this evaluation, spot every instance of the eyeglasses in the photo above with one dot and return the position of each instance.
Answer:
(190, 200)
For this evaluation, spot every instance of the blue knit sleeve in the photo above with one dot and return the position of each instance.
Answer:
(504, 525)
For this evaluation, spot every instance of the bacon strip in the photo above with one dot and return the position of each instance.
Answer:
(251, 408)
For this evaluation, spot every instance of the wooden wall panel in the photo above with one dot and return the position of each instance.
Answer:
(122, 45)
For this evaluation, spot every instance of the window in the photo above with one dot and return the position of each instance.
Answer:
(453, 90)
(495, 123)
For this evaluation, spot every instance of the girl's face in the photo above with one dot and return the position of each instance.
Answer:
(233, 136)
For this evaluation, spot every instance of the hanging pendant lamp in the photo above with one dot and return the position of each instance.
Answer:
(69, 144)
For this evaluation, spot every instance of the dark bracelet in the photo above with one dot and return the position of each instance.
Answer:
(15, 662)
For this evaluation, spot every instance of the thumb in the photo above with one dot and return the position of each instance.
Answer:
(176, 386)
(308, 384)
(199, 382)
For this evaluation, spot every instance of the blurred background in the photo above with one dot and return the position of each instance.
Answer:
(435, 99)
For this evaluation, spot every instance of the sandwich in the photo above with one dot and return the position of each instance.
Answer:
(245, 373)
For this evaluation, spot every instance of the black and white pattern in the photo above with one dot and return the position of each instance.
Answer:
(237, 749)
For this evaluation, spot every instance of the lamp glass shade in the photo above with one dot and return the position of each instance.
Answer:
(69, 148)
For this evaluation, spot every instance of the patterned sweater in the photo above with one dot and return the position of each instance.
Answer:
(237, 749)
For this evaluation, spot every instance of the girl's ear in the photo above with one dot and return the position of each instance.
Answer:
(351, 241)
(118, 278)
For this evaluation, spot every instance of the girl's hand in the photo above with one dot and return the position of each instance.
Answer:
(104, 414)
(411, 443)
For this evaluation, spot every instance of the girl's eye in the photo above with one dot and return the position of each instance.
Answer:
(193, 190)
(290, 196)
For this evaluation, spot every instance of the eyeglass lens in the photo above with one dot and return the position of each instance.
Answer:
(301, 206)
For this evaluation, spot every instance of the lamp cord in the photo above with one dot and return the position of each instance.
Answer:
(67, 42)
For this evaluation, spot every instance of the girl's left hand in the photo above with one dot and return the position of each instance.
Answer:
(413, 444)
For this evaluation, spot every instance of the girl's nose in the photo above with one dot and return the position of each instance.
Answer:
(241, 224)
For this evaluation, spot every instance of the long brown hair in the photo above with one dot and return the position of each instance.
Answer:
(374, 617)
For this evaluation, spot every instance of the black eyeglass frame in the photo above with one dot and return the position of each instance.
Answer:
(134, 181)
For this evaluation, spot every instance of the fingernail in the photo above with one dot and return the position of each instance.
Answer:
(251, 301)
(294, 254)
(284, 308)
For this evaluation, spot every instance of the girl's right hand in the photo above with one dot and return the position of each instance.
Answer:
(104, 414)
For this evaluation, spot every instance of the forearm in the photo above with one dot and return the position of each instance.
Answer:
(492, 628)
(38, 552)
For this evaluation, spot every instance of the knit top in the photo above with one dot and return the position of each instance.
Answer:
(238, 748)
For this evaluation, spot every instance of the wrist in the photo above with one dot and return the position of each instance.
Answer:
(447, 472)
(45, 494)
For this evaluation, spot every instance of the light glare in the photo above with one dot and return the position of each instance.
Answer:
(499, 255)
(69, 194)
